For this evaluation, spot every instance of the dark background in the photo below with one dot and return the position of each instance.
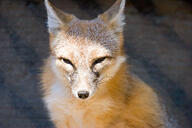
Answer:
(158, 42)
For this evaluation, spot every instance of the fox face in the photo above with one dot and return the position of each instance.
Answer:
(85, 54)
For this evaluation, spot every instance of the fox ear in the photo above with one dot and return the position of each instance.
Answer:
(56, 18)
(114, 16)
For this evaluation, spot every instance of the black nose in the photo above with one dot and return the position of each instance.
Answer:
(83, 94)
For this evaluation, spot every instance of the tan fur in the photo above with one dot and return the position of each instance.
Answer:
(118, 100)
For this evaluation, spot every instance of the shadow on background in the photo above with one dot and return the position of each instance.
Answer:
(158, 42)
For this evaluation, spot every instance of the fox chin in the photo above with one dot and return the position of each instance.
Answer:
(86, 80)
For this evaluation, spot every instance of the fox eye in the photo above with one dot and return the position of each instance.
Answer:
(96, 65)
(99, 60)
(67, 61)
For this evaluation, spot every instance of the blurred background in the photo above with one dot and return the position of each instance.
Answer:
(158, 43)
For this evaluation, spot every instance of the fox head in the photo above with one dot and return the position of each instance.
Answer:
(85, 54)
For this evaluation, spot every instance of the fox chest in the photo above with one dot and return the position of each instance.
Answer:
(69, 114)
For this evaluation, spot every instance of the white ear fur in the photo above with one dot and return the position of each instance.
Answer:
(53, 21)
(119, 18)
(115, 15)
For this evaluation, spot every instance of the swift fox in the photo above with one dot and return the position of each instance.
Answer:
(85, 80)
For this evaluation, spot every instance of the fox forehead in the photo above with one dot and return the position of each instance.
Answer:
(83, 51)
(86, 36)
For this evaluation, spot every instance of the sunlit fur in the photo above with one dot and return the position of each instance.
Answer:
(116, 100)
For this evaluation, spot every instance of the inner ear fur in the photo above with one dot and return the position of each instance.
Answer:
(57, 18)
(114, 16)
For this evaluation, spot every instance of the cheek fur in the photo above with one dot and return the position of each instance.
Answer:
(62, 65)
(100, 67)
(60, 70)
(110, 70)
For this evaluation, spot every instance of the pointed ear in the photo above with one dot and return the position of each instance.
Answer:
(114, 16)
(56, 18)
